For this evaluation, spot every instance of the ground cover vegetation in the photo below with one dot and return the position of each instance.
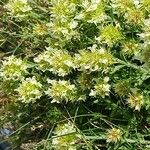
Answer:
(75, 74)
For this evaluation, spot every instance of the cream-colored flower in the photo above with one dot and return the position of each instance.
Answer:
(40, 29)
(114, 135)
(101, 88)
(122, 88)
(130, 48)
(62, 9)
(110, 34)
(93, 60)
(29, 90)
(122, 6)
(13, 68)
(93, 11)
(61, 90)
(67, 137)
(18, 7)
(135, 100)
(135, 16)
(59, 62)
(63, 29)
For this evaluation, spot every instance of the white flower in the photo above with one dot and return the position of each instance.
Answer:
(106, 88)
(13, 68)
(101, 51)
(93, 48)
(136, 2)
(73, 24)
(90, 6)
(93, 60)
(92, 93)
(69, 63)
(59, 62)
(106, 79)
(79, 16)
(29, 90)
(18, 6)
(101, 88)
(66, 137)
(136, 100)
(104, 61)
(61, 90)
(147, 22)
(55, 101)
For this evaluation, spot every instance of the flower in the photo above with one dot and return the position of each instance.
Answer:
(57, 61)
(29, 90)
(13, 68)
(42, 60)
(90, 5)
(110, 34)
(122, 88)
(63, 29)
(63, 25)
(114, 135)
(122, 6)
(135, 16)
(135, 100)
(66, 137)
(93, 12)
(61, 90)
(101, 88)
(40, 29)
(63, 9)
(130, 48)
(18, 7)
(93, 60)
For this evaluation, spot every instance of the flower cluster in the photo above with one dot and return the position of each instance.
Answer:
(122, 88)
(13, 68)
(63, 29)
(134, 16)
(110, 34)
(42, 60)
(93, 11)
(40, 29)
(135, 100)
(57, 61)
(93, 60)
(130, 48)
(65, 137)
(29, 90)
(122, 6)
(114, 135)
(101, 88)
(131, 9)
(18, 7)
(63, 9)
(62, 90)
(63, 24)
